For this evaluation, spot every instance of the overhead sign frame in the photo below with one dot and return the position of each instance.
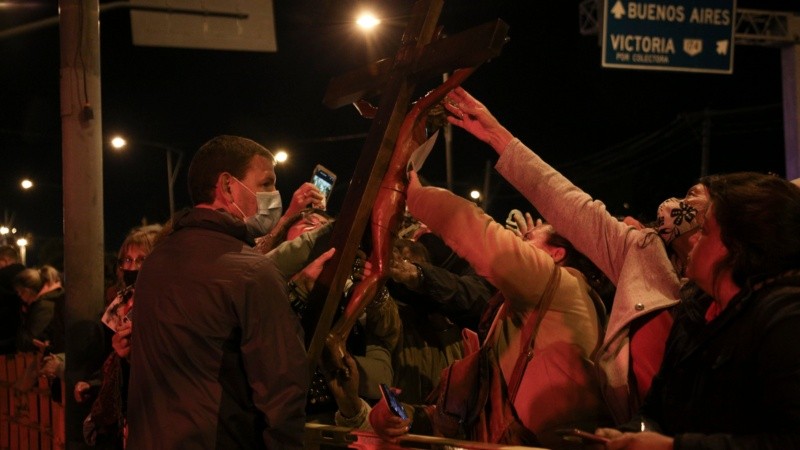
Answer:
(669, 35)
(171, 26)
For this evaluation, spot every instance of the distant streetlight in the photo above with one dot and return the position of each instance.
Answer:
(367, 21)
(475, 194)
(26, 184)
(281, 156)
(22, 243)
(119, 142)
(4, 231)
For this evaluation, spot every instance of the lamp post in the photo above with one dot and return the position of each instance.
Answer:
(22, 244)
(118, 142)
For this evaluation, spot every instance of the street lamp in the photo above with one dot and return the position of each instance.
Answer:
(22, 244)
(281, 156)
(26, 184)
(367, 21)
(119, 143)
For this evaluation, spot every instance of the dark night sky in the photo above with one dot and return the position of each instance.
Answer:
(628, 137)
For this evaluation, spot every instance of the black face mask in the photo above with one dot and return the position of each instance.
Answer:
(129, 277)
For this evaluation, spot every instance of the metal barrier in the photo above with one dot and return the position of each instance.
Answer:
(328, 437)
(29, 418)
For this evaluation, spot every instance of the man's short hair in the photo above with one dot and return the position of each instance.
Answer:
(230, 154)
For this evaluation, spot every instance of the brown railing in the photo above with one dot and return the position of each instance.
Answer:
(29, 418)
(327, 437)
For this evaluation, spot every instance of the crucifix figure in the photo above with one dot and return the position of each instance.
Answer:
(379, 182)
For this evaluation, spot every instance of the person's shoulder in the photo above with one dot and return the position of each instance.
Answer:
(781, 297)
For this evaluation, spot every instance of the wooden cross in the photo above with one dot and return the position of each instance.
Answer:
(417, 59)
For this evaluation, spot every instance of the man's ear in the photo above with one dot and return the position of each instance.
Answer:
(224, 186)
(558, 254)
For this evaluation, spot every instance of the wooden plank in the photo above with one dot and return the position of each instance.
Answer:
(466, 49)
(417, 58)
(59, 422)
(469, 48)
(45, 412)
(351, 223)
(357, 84)
(15, 365)
(29, 397)
(5, 404)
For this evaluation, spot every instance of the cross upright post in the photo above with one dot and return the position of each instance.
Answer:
(395, 80)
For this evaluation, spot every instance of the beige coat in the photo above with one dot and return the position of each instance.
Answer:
(569, 332)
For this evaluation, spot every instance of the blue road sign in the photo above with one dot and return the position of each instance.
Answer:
(678, 35)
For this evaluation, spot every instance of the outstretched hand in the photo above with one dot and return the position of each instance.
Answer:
(385, 424)
(646, 440)
(308, 276)
(468, 113)
(345, 391)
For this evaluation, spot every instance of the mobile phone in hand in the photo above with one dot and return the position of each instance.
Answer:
(580, 436)
(324, 180)
(394, 404)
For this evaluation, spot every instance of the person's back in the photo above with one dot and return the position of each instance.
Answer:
(217, 356)
(43, 298)
(10, 302)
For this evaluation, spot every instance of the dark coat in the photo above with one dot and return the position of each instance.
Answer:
(10, 305)
(217, 358)
(733, 382)
(43, 320)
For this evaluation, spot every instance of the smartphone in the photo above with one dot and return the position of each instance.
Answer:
(580, 436)
(394, 404)
(324, 180)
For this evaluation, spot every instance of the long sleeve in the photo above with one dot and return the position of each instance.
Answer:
(494, 252)
(462, 297)
(635, 261)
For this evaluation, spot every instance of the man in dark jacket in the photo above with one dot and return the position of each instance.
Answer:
(10, 302)
(217, 355)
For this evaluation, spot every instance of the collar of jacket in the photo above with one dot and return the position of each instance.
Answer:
(215, 220)
(738, 304)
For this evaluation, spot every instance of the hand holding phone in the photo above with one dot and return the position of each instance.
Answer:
(324, 180)
(394, 404)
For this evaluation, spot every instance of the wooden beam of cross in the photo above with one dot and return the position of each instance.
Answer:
(416, 59)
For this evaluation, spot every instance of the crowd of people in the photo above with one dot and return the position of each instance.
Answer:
(674, 334)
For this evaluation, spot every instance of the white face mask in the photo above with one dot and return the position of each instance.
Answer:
(270, 209)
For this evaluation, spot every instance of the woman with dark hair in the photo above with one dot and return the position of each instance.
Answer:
(730, 373)
(600, 283)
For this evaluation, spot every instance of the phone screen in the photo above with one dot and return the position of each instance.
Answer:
(323, 179)
(394, 404)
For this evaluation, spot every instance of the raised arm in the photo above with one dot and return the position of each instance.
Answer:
(495, 253)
